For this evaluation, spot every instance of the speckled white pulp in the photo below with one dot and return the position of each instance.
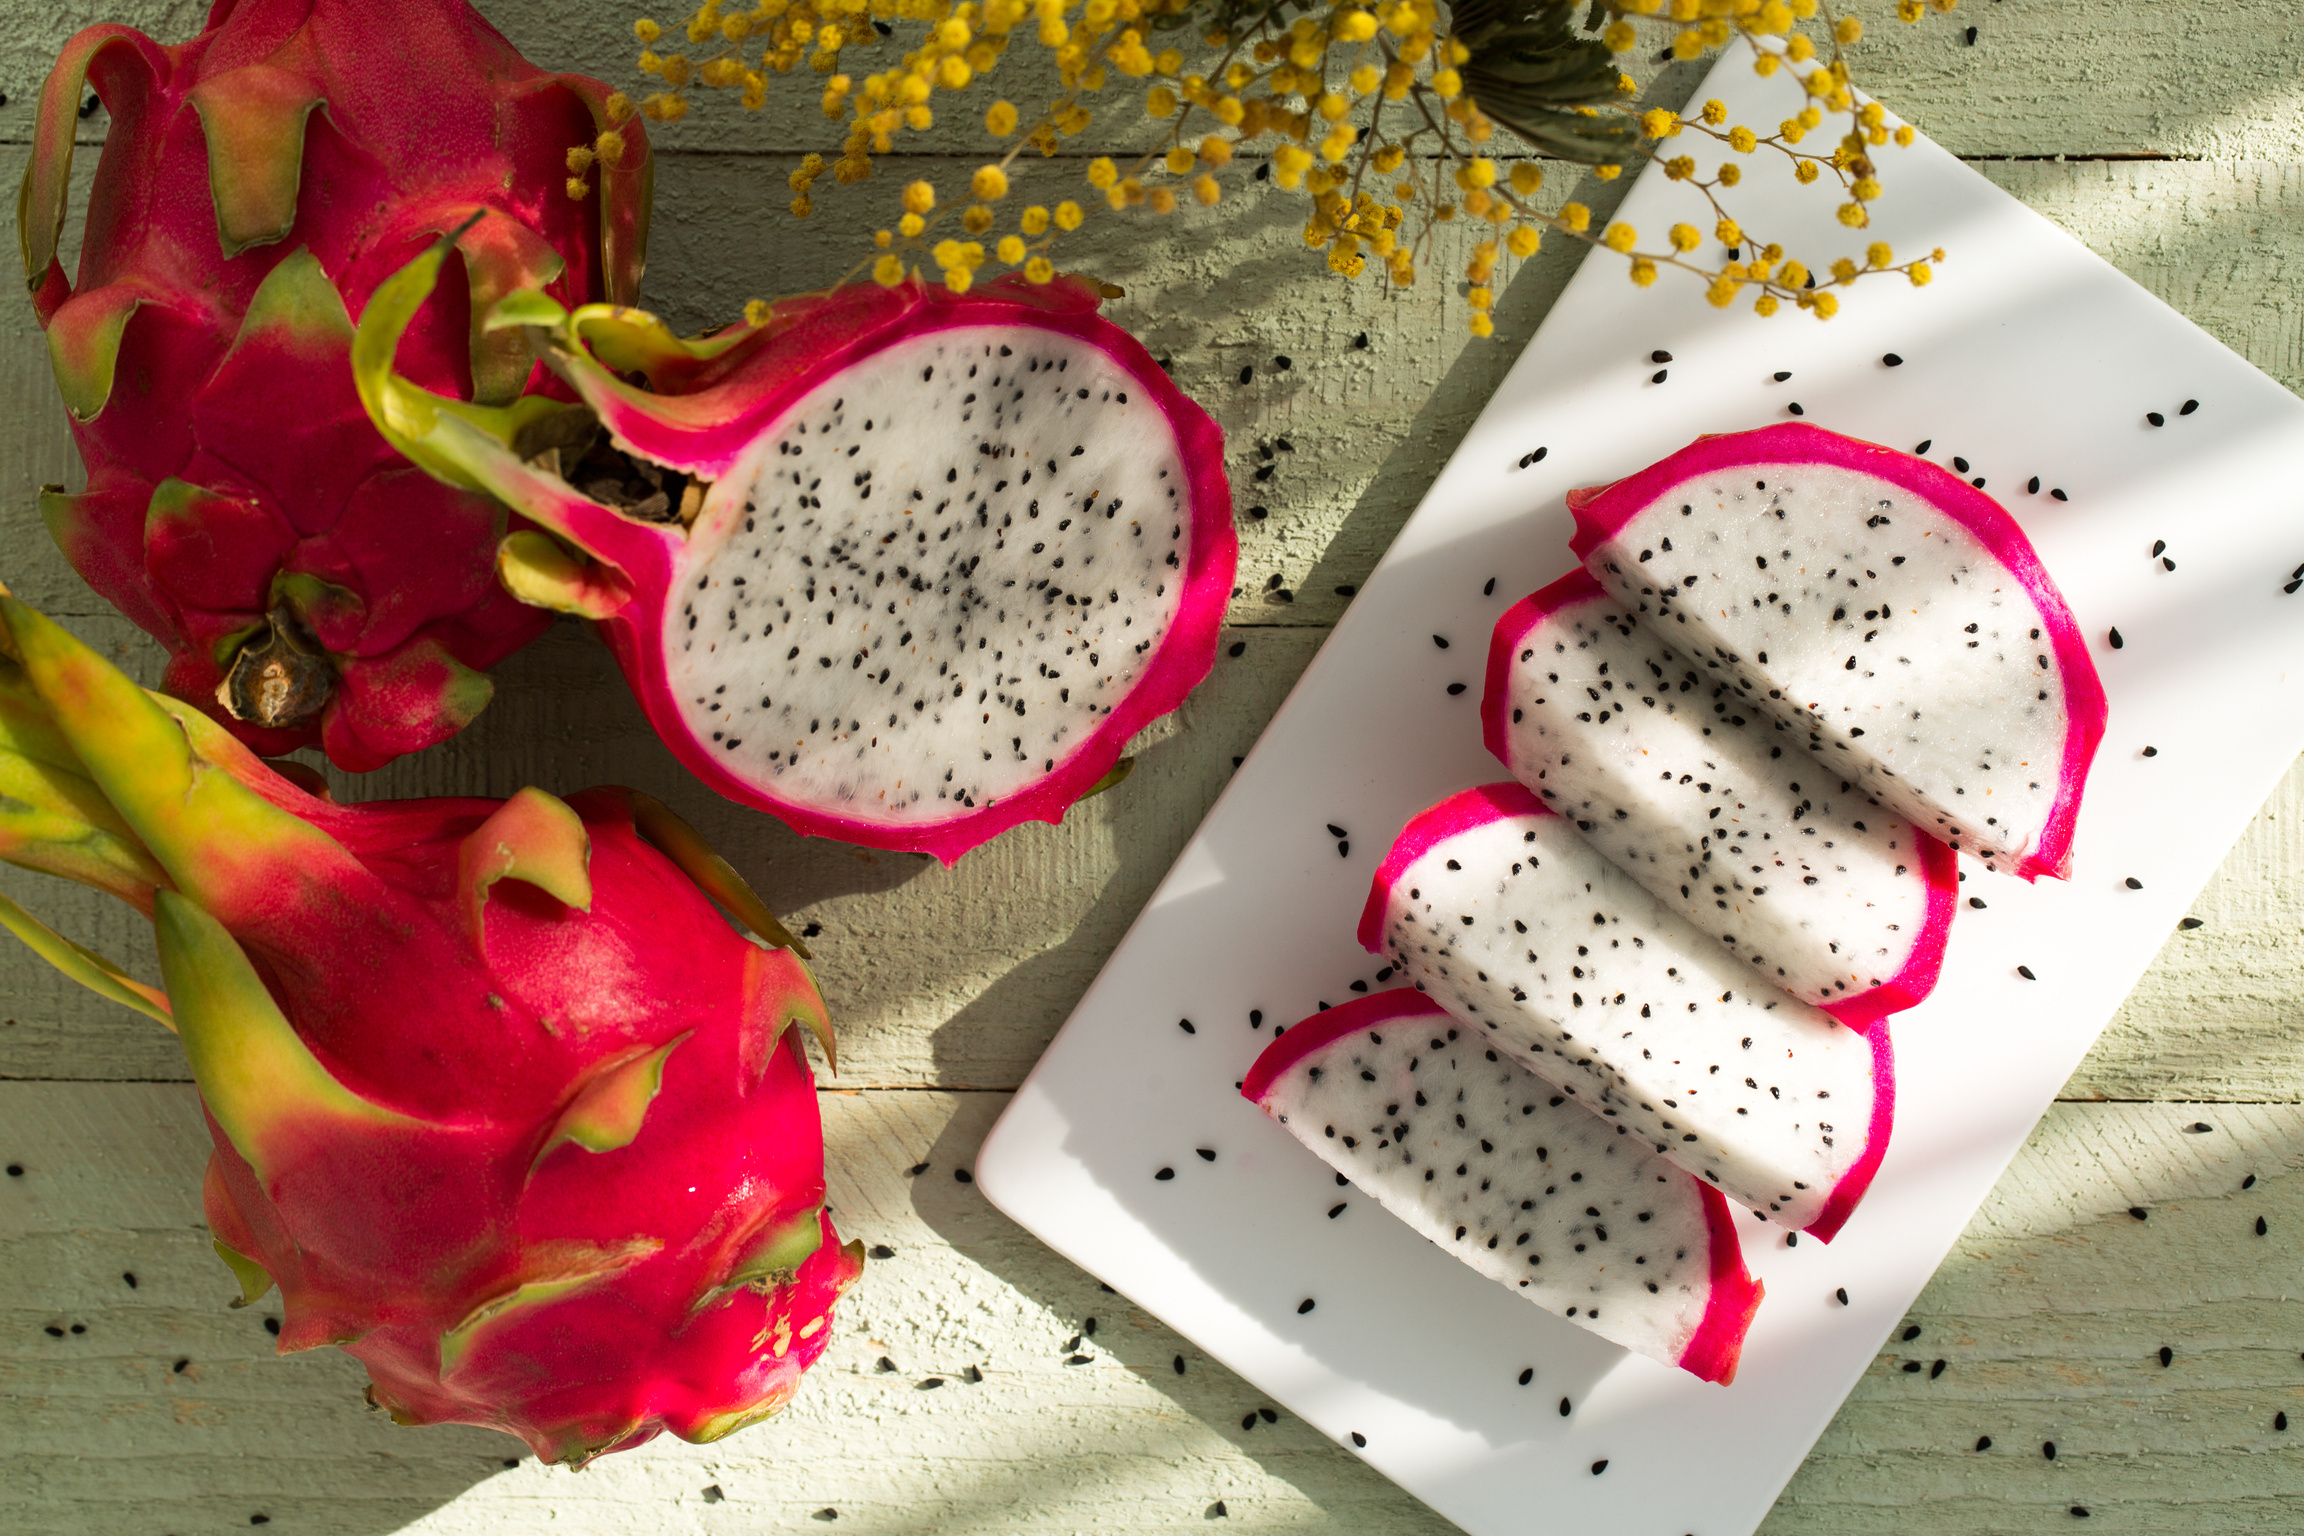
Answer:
(1878, 627)
(1713, 806)
(1500, 1169)
(951, 561)
(1522, 930)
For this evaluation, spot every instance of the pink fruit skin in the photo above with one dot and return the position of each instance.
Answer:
(1939, 867)
(383, 1240)
(742, 399)
(425, 115)
(1603, 509)
(1718, 1343)
(1473, 808)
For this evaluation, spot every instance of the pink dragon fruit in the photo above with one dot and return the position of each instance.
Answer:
(1890, 613)
(259, 181)
(1387, 1091)
(877, 628)
(1714, 807)
(500, 1101)
(1519, 928)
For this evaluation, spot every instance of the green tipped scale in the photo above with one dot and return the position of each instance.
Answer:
(502, 1099)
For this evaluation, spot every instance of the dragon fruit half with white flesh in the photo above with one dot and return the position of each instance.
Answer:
(1510, 920)
(1889, 611)
(900, 566)
(1525, 1185)
(1716, 807)
(499, 1099)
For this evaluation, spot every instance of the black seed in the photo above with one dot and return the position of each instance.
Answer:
(963, 1176)
(1344, 851)
(1659, 375)
(1936, 1370)
(2139, 1213)
(883, 1251)
(1892, 360)
(1911, 1367)
(1983, 1442)
(1528, 1375)
(1795, 409)
(1360, 1440)
(2079, 1510)
(1977, 902)
(2048, 1449)
(1563, 1407)
(1911, 1332)
(1207, 1155)
(1842, 1293)
(1165, 1174)
(2199, 1128)
(918, 1169)
(1782, 374)
(2133, 883)
(272, 1324)
(1282, 364)
(2188, 407)
(15, 1170)
(2155, 418)
(2167, 1357)
(2059, 495)
(1186, 1026)
(2025, 971)
(1925, 444)
(2033, 485)
(1659, 356)
(1239, 647)
(2280, 1420)
(1361, 341)
(2158, 545)
(1455, 689)
(1304, 1306)
(2151, 751)
(2117, 642)
(2261, 1229)
(1600, 1466)
(1490, 589)
(128, 1278)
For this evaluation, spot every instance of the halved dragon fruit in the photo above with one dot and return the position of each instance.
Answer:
(1482, 1157)
(1890, 612)
(1715, 807)
(899, 566)
(1518, 927)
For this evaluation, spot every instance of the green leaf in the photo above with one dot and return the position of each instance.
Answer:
(85, 966)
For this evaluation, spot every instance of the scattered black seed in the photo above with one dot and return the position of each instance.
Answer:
(963, 1176)
(1343, 849)
(2199, 1128)
(2117, 642)
(2080, 1511)
(1361, 341)
(2280, 1421)
(1440, 641)
(931, 1383)
(1892, 360)
(2188, 407)
(1255, 1018)
(128, 1278)
(1248, 374)
(1659, 375)
(2133, 883)
(1269, 1416)
(2261, 1229)
(886, 1365)
(53, 1331)
(1359, 1440)
(1925, 444)
(1489, 590)
(1455, 689)
(2159, 546)
(1336, 1210)
(1239, 647)
(883, 1251)
(271, 1326)
(1533, 456)
(1842, 1293)
(511, 1461)
(1911, 1332)
(1186, 1026)
(2187, 924)
(812, 930)
(1207, 1155)
(2248, 1182)
(2167, 564)
(2156, 418)
(184, 1363)
(712, 1493)
(2059, 495)
(1079, 1359)
(1528, 1375)
(1282, 364)
(1936, 1370)
(1791, 1239)
(2048, 1449)
(1959, 463)
(1970, 37)
(1179, 1365)
(1600, 1466)
(1216, 1510)
(2151, 751)
(1165, 1174)
(1258, 514)
(1977, 902)
(1659, 357)
(1795, 408)
(1336, 831)
(2033, 485)
(1563, 1407)
(15, 1170)
(827, 1513)
(2025, 971)
(917, 1169)
(2139, 1213)
(1911, 1367)
(973, 1374)
(1248, 1419)
(1983, 1442)
(1306, 1304)
(2167, 1357)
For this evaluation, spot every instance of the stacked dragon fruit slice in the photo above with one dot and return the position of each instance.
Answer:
(1797, 673)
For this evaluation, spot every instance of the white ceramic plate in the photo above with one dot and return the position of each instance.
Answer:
(2028, 356)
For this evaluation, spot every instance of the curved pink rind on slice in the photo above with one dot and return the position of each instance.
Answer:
(1460, 812)
(1850, 1190)
(1600, 511)
(1718, 1344)
(1325, 1029)
(1504, 643)
(1911, 984)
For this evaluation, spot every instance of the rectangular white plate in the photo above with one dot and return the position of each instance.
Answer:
(2027, 356)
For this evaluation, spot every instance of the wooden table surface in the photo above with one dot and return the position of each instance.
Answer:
(2169, 138)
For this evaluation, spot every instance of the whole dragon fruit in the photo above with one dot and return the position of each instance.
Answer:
(259, 181)
(1501, 912)
(501, 1102)
(1716, 808)
(899, 566)
(1891, 613)
(1530, 1185)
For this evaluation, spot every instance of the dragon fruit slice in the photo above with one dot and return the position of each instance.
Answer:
(501, 1102)
(878, 628)
(1892, 614)
(1519, 928)
(1389, 1093)
(1714, 807)
(259, 181)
